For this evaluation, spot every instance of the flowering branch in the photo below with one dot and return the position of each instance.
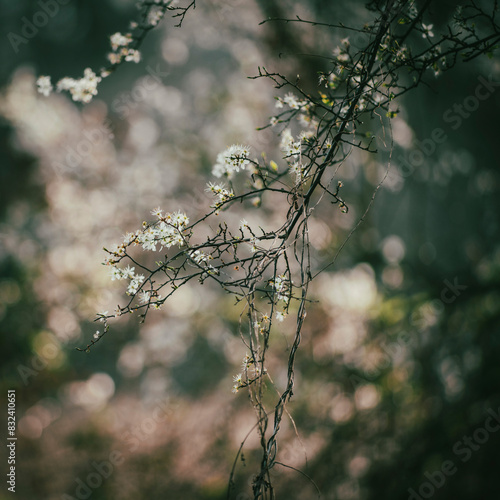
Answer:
(124, 48)
(268, 271)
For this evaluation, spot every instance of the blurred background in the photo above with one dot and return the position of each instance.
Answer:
(399, 368)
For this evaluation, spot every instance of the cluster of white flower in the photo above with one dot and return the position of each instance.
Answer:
(253, 244)
(288, 145)
(280, 316)
(127, 273)
(371, 88)
(119, 44)
(81, 90)
(247, 361)
(118, 251)
(201, 258)
(198, 256)
(120, 274)
(292, 102)
(223, 194)
(119, 40)
(241, 380)
(341, 52)
(167, 233)
(84, 89)
(292, 149)
(44, 85)
(262, 326)
(308, 121)
(238, 381)
(332, 79)
(412, 10)
(282, 287)
(135, 284)
(233, 159)
(400, 53)
(156, 14)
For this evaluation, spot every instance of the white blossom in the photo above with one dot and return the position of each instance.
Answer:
(427, 30)
(144, 297)
(243, 224)
(44, 85)
(288, 145)
(297, 169)
(116, 273)
(133, 55)
(198, 256)
(253, 243)
(340, 54)
(223, 194)
(155, 15)
(128, 272)
(233, 159)
(134, 285)
(166, 233)
(281, 285)
(83, 89)
(128, 238)
(291, 100)
(119, 40)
